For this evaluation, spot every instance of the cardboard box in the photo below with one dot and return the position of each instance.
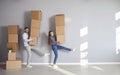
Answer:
(35, 32)
(35, 23)
(14, 46)
(13, 29)
(12, 56)
(34, 42)
(13, 38)
(61, 38)
(60, 30)
(60, 20)
(36, 14)
(13, 64)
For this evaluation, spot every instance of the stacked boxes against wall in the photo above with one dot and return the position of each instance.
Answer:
(60, 28)
(13, 62)
(36, 17)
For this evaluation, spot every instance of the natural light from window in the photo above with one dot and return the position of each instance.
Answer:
(84, 46)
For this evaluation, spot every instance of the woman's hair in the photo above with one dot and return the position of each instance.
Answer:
(49, 37)
(26, 28)
(49, 33)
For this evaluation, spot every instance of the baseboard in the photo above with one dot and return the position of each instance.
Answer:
(101, 63)
(106, 63)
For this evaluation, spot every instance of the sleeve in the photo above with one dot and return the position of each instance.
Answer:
(25, 38)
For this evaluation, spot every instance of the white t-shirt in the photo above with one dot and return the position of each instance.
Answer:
(25, 39)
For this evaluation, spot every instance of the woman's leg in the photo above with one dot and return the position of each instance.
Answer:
(62, 47)
(55, 53)
(28, 49)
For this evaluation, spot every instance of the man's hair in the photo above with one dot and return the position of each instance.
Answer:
(26, 28)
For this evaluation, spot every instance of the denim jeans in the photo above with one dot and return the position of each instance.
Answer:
(55, 50)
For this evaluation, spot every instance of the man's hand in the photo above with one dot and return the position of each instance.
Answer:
(31, 40)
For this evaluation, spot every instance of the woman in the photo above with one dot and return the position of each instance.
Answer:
(54, 44)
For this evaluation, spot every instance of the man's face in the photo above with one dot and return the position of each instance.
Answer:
(26, 30)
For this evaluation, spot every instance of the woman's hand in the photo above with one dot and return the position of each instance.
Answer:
(58, 42)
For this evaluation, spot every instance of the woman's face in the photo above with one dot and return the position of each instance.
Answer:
(51, 33)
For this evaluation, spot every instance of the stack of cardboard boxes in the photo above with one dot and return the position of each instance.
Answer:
(13, 37)
(60, 28)
(36, 17)
(13, 62)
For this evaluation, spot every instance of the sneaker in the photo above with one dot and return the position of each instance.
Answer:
(73, 50)
(55, 66)
(29, 66)
(46, 54)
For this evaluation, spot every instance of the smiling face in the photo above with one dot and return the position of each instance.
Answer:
(26, 30)
(51, 33)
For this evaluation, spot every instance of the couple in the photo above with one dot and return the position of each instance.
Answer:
(52, 41)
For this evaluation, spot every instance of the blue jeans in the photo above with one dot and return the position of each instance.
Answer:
(55, 50)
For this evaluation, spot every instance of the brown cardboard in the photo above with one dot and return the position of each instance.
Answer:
(60, 20)
(61, 38)
(12, 56)
(13, 38)
(35, 23)
(14, 46)
(13, 29)
(35, 32)
(36, 14)
(13, 64)
(60, 30)
(34, 42)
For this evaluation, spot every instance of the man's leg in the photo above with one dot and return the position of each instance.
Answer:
(38, 50)
(28, 49)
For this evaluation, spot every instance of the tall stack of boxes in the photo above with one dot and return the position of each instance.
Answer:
(36, 17)
(60, 28)
(13, 62)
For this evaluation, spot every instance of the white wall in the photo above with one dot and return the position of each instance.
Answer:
(97, 15)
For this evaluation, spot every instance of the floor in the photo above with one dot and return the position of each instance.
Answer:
(65, 70)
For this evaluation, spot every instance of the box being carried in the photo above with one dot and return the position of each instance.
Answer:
(60, 20)
(34, 41)
(60, 30)
(35, 32)
(35, 24)
(61, 38)
(36, 14)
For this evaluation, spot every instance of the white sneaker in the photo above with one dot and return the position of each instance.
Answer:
(73, 50)
(29, 66)
(55, 66)
(46, 54)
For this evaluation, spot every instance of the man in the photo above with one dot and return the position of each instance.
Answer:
(28, 47)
